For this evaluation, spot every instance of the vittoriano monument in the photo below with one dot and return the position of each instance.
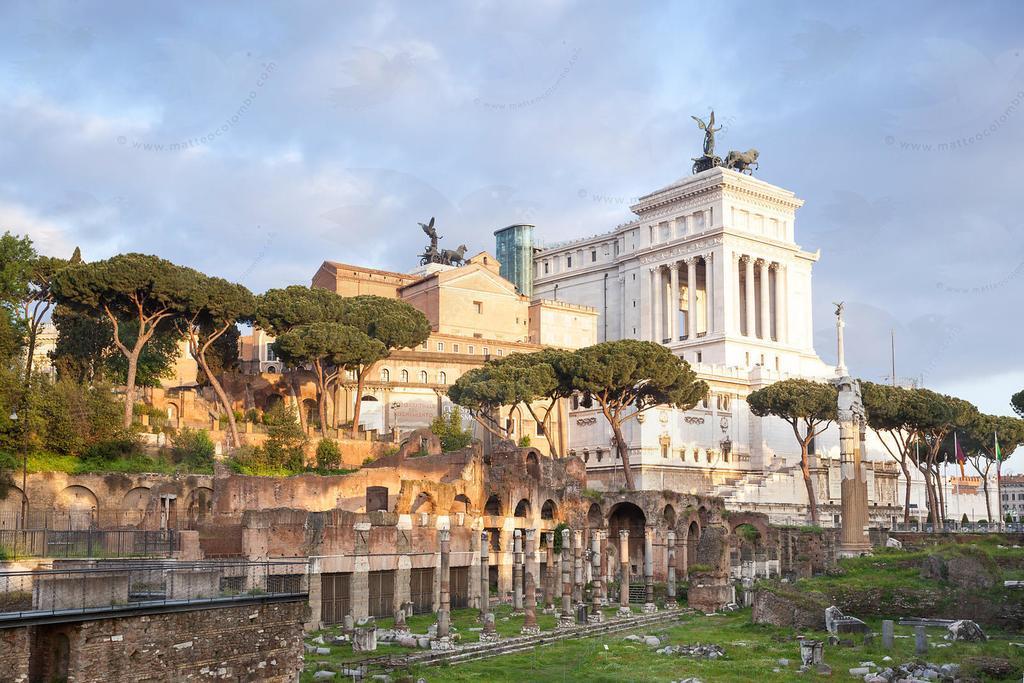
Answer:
(434, 254)
(744, 162)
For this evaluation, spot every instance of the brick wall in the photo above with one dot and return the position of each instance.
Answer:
(14, 654)
(255, 642)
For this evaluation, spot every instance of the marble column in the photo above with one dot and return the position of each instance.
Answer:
(670, 583)
(644, 316)
(566, 618)
(624, 573)
(489, 633)
(659, 305)
(709, 292)
(649, 570)
(549, 571)
(596, 616)
(748, 290)
(485, 575)
(673, 303)
(766, 302)
(444, 611)
(530, 593)
(577, 561)
(517, 571)
(780, 303)
(691, 298)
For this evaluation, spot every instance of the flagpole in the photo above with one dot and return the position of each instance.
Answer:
(999, 479)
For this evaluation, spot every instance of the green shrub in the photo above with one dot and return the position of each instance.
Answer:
(121, 446)
(524, 442)
(328, 455)
(193, 449)
(448, 428)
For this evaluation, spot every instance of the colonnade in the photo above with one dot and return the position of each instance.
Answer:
(668, 281)
(762, 293)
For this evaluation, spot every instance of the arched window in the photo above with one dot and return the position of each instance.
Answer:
(405, 376)
(423, 376)
(385, 375)
(442, 377)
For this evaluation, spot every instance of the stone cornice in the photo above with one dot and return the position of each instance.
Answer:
(696, 189)
(655, 255)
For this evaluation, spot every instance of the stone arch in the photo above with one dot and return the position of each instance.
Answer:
(669, 515)
(549, 510)
(311, 413)
(692, 539)
(173, 412)
(629, 516)
(79, 503)
(522, 508)
(272, 401)
(424, 502)
(493, 506)
(199, 504)
(533, 464)
(134, 504)
(461, 503)
(595, 518)
(11, 507)
(703, 514)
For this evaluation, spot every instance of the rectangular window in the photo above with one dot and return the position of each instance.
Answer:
(440, 346)
(479, 306)
(487, 351)
(593, 255)
(501, 352)
(455, 348)
(568, 261)
(700, 357)
(424, 346)
(546, 268)
(472, 350)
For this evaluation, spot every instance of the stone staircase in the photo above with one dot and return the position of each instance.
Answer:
(744, 488)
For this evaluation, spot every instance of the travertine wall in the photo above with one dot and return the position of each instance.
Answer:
(254, 642)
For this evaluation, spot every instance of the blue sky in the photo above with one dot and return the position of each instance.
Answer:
(331, 131)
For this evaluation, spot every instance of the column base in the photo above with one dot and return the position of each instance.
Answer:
(443, 643)
(516, 613)
(530, 631)
(649, 608)
(595, 618)
(853, 549)
(624, 613)
(566, 621)
(491, 637)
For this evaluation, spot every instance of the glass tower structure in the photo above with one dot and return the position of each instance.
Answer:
(514, 251)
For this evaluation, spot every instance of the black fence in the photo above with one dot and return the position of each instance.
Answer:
(73, 588)
(962, 528)
(87, 543)
(107, 518)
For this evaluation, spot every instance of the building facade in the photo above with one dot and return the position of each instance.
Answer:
(709, 266)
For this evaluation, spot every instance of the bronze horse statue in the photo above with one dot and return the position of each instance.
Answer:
(741, 161)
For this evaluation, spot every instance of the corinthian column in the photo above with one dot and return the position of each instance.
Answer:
(748, 290)
(443, 613)
(659, 305)
(530, 598)
(766, 303)
(566, 618)
(649, 605)
(624, 573)
(709, 292)
(596, 615)
(673, 303)
(670, 582)
(780, 303)
(691, 297)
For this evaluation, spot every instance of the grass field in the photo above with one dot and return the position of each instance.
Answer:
(752, 653)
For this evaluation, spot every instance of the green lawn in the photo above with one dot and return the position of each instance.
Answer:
(752, 653)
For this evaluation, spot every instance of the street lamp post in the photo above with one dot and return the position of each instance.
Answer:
(24, 473)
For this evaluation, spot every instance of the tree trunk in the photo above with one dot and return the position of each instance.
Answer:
(988, 506)
(222, 397)
(129, 386)
(360, 379)
(805, 467)
(620, 445)
(941, 486)
(929, 491)
(547, 432)
(906, 497)
(32, 331)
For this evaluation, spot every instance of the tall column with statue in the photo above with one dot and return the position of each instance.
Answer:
(853, 536)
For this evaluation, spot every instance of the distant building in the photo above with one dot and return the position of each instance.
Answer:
(256, 354)
(514, 250)
(46, 342)
(1012, 493)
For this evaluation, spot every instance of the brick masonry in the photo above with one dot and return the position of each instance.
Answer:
(244, 643)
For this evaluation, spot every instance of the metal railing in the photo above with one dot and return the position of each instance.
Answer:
(105, 518)
(77, 589)
(87, 543)
(960, 527)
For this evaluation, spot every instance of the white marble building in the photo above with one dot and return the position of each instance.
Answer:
(710, 267)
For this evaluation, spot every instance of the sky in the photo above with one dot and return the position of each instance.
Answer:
(255, 142)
